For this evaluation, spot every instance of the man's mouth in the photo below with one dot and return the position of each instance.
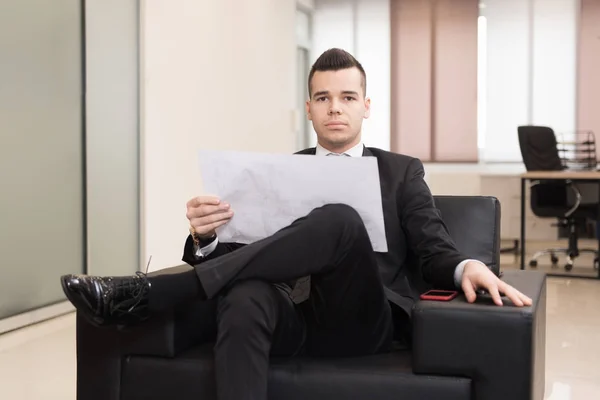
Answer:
(335, 123)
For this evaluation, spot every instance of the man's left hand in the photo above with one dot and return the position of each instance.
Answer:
(477, 276)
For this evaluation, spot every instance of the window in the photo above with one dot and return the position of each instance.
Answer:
(481, 82)
(527, 51)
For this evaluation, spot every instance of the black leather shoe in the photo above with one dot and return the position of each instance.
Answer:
(110, 300)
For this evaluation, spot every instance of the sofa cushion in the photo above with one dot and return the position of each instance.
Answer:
(381, 377)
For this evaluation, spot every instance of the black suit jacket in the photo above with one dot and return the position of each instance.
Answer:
(421, 253)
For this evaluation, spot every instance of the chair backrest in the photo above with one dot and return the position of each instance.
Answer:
(539, 148)
(474, 225)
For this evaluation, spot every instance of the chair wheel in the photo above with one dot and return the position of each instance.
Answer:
(554, 259)
(568, 267)
(533, 263)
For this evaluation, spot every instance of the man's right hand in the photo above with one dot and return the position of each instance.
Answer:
(207, 213)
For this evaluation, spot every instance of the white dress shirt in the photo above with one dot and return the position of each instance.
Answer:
(356, 151)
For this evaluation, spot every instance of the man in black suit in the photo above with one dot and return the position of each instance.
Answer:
(355, 301)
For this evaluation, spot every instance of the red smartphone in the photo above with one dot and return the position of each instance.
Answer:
(439, 295)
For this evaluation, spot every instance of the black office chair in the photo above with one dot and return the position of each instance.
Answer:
(551, 198)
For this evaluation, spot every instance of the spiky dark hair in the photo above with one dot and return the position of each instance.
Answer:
(334, 60)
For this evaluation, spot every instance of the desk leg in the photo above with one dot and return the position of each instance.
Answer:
(523, 180)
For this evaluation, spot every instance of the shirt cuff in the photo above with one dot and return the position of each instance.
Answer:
(458, 272)
(205, 251)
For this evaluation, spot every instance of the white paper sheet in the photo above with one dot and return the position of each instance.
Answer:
(268, 192)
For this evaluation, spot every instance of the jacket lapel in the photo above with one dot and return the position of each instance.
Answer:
(311, 151)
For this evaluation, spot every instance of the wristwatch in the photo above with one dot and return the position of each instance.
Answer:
(201, 242)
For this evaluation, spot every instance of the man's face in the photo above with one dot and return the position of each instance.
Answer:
(337, 107)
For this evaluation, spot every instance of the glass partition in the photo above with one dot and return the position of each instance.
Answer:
(41, 151)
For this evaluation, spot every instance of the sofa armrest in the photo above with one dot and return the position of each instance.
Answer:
(170, 333)
(100, 351)
(502, 349)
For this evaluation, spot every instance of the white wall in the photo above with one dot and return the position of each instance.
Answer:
(361, 27)
(215, 75)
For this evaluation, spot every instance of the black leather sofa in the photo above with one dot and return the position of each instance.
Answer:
(461, 351)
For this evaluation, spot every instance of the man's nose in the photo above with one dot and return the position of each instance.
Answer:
(334, 109)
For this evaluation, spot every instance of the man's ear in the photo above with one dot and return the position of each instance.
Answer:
(367, 108)
(308, 110)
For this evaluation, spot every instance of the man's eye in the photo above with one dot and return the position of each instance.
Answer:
(349, 98)
(321, 98)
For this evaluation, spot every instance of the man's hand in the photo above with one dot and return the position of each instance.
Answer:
(207, 213)
(477, 276)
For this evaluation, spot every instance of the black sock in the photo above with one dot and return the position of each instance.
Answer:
(172, 286)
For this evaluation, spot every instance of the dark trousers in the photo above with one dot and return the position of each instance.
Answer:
(346, 314)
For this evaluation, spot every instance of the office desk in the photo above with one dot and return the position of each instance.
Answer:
(587, 176)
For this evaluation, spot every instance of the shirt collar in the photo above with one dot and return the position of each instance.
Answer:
(356, 151)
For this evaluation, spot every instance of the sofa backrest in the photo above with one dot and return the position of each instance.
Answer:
(474, 225)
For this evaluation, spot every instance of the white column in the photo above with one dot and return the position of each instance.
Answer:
(333, 26)
(361, 27)
(373, 50)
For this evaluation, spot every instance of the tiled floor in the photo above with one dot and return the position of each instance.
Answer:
(572, 325)
(572, 347)
(38, 362)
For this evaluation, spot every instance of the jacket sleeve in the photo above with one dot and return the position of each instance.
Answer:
(222, 248)
(427, 234)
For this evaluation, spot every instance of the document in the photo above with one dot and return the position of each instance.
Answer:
(268, 192)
